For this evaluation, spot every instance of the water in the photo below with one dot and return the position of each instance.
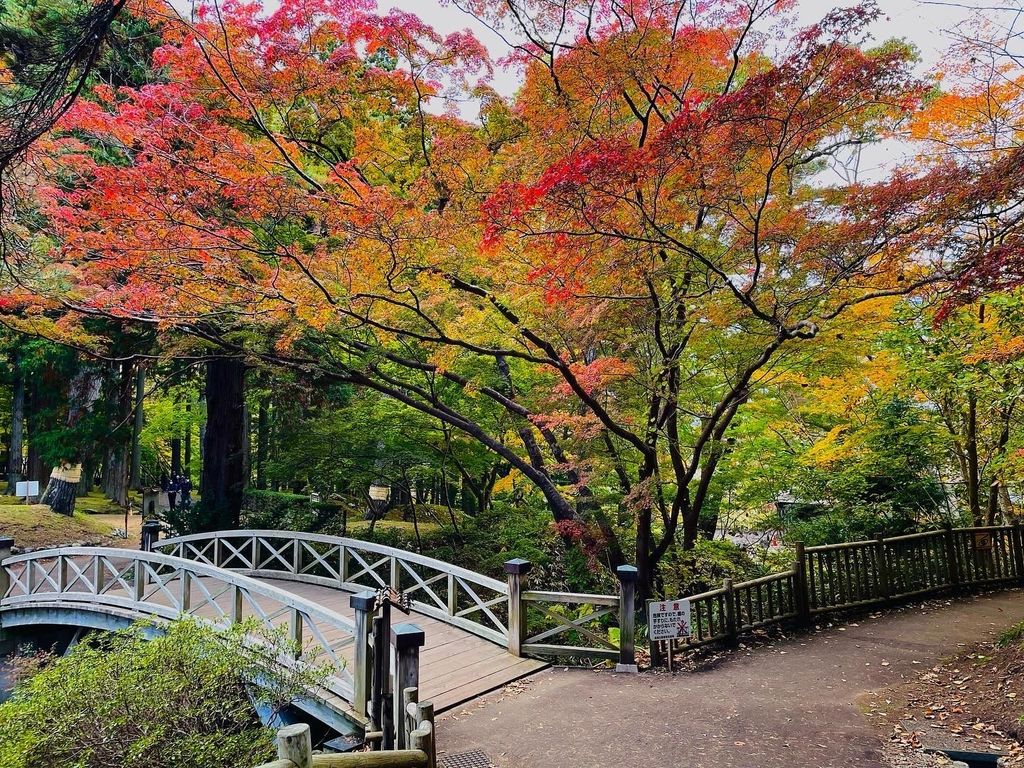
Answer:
(6, 678)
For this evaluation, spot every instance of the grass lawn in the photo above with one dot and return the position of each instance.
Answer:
(393, 525)
(36, 526)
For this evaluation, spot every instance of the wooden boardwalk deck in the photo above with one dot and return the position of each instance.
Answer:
(455, 666)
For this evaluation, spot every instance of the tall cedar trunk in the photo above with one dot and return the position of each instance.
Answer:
(119, 453)
(62, 489)
(188, 439)
(224, 472)
(175, 455)
(61, 493)
(17, 444)
(135, 470)
(202, 438)
(39, 418)
(262, 442)
(88, 475)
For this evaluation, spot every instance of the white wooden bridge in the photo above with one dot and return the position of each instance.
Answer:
(307, 584)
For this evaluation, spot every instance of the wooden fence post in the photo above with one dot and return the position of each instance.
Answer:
(6, 545)
(731, 631)
(952, 562)
(139, 584)
(803, 595)
(294, 743)
(1018, 549)
(425, 719)
(362, 604)
(407, 640)
(627, 618)
(516, 571)
(882, 567)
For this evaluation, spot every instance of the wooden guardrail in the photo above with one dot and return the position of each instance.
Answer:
(528, 622)
(295, 748)
(443, 591)
(149, 584)
(857, 574)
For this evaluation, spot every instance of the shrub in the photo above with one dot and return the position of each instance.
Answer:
(705, 567)
(274, 510)
(182, 699)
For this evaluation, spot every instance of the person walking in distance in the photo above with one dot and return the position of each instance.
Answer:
(172, 492)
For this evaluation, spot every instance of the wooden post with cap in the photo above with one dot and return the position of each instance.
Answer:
(407, 640)
(627, 575)
(363, 605)
(516, 571)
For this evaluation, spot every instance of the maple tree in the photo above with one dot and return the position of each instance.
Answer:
(972, 131)
(591, 281)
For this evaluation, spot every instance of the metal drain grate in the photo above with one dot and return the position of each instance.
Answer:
(474, 759)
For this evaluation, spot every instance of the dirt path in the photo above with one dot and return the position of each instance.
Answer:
(795, 704)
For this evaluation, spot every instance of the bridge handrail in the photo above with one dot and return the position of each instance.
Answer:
(366, 546)
(449, 593)
(88, 575)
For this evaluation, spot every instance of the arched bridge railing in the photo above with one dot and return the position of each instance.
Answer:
(457, 596)
(150, 584)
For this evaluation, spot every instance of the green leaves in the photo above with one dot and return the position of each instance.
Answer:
(144, 699)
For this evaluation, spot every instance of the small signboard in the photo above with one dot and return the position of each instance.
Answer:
(27, 488)
(668, 619)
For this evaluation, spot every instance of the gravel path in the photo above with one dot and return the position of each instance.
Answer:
(799, 703)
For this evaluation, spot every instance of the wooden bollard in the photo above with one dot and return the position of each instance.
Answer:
(407, 640)
(516, 571)
(295, 743)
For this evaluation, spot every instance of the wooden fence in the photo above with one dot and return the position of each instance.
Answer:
(858, 574)
(295, 748)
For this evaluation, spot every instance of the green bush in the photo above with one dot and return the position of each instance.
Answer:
(275, 510)
(705, 566)
(181, 699)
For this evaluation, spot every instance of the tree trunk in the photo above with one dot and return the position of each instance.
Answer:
(175, 456)
(135, 470)
(37, 417)
(262, 442)
(17, 444)
(224, 472)
(202, 438)
(188, 439)
(971, 448)
(62, 489)
(120, 451)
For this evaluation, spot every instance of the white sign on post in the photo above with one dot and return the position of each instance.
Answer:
(668, 619)
(28, 488)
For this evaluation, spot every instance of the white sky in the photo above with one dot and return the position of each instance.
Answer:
(923, 22)
(920, 21)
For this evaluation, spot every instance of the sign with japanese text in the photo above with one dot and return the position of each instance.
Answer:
(668, 619)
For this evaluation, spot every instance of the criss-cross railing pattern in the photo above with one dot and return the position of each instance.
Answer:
(579, 621)
(440, 590)
(164, 587)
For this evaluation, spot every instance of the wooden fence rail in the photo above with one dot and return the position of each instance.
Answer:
(857, 574)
